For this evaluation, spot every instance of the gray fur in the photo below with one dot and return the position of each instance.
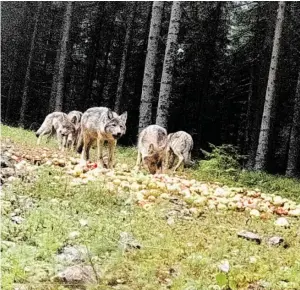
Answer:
(101, 124)
(57, 122)
(152, 144)
(75, 117)
(180, 144)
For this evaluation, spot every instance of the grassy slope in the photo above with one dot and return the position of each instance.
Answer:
(192, 247)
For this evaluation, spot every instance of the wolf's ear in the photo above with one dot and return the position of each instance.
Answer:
(110, 114)
(151, 149)
(73, 120)
(123, 117)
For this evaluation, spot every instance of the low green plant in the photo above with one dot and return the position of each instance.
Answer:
(223, 160)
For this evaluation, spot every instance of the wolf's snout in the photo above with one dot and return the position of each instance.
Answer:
(37, 134)
(117, 135)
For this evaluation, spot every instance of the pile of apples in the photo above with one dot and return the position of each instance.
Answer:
(148, 188)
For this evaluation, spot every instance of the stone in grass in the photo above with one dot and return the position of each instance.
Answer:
(71, 254)
(127, 242)
(17, 219)
(78, 274)
(275, 241)
(282, 222)
(73, 235)
(249, 236)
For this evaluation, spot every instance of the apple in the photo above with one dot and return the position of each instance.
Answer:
(201, 200)
(255, 213)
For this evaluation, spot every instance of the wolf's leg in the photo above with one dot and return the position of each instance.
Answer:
(100, 145)
(59, 140)
(167, 158)
(138, 160)
(111, 153)
(85, 153)
(38, 141)
(187, 158)
(181, 159)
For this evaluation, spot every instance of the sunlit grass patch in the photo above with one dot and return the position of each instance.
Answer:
(178, 255)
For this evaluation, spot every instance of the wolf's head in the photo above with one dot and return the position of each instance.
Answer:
(154, 159)
(116, 125)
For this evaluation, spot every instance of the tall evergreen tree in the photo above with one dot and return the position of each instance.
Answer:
(24, 105)
(63, 57)
(145, 115)
(127, 41)
(168, 68)
(294, 146)
(265, 131)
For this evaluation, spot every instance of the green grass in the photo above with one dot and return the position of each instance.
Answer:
(193, 248)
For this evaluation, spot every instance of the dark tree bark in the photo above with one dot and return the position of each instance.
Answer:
(54, 83)
(208, 67)
(263, 143)
(168, 67)
(121, 80)
(11, 88)
(149, 72)
(294, 147)
(104, 72)
(28, 70)
(63, 57)
(92, 58)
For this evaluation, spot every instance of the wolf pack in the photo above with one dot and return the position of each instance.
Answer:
(156, 149)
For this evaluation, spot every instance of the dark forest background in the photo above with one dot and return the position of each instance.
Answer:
(220, 76)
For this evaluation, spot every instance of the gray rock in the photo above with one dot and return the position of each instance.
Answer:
(17, 219)
(275, 241)
(77, 274)
(127, 242)
(73, 254)
(249, 236)
(5, 161)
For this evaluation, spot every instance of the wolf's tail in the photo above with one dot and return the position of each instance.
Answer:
(45, 128)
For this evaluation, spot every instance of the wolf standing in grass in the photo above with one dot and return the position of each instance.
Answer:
(101, 124)
(180, 144)
(57, 122)
(75, 118)
(152, 146)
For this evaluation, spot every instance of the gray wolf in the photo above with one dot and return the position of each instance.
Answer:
(75, 118)
(152, 144)
(180, 144)
(101, 124)
(57, 122)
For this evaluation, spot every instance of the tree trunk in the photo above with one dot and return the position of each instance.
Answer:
(11, 88)
(63, 57)
(124, 58)
(92, 58)
(54, 83)
(168, 67)
(294, 152)
(28, 70)
(209, 62)
(265, 130)
(104, 73)
(149, 72)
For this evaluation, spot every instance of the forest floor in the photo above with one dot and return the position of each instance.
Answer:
(66, 227)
